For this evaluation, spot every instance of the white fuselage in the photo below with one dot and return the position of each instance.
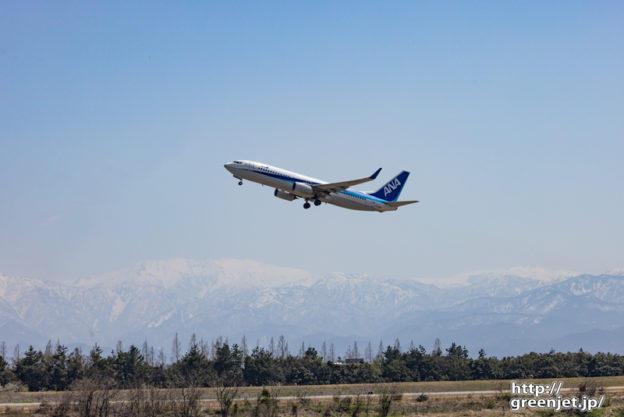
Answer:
(284, 180)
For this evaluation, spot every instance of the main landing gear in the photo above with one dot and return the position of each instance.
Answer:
(317, 203)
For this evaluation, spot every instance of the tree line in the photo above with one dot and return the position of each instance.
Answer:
(221, 364)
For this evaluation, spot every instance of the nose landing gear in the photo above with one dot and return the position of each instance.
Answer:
(306, 205)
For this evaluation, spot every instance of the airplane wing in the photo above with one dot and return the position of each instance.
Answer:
(333, 187)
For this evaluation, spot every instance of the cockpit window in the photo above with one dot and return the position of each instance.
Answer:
(237, 162)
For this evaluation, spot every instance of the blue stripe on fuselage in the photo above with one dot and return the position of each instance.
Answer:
(293, 179)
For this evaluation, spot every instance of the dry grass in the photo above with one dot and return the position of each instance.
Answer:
(300, 401)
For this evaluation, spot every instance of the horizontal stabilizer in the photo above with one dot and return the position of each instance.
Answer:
(401, 203)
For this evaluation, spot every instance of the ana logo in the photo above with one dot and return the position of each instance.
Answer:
(391, 186)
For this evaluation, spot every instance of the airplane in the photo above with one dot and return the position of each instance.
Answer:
(291, 185)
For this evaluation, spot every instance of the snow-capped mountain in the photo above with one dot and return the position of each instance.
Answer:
(506, 312)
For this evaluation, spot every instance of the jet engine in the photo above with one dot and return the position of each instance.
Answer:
(284, 195)
(302, 190)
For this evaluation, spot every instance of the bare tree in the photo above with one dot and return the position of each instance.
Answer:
(145, 351)
(216, 345)
(119, 347)
(244, 350)
(266, 404)
(48, 349)
(213, 351)
(368, 352)
(272, 347)
(397, 344)
(204, 347)
(324, 351)
(356, 353)
(380, 350)
(187, 402)
(93, 397)
(332, 352)
(302, 350)
(437, 349)
(143, 402)
(349, 353)
(3, 350)
(192, 341)
(282, 347)
(16, 353)
(175, 349)
(62, 408)
(225, 397)
(162, 359)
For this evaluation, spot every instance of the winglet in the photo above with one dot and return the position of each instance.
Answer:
(332, 187)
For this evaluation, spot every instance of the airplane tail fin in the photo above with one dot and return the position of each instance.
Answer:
(392, 189)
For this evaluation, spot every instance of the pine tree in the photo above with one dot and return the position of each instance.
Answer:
(30, 370)
(58, 370)
(5, 374)
(75, 366)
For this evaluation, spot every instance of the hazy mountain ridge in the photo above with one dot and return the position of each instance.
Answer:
(154, 300)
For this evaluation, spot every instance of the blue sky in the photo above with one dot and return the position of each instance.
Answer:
(116, 119)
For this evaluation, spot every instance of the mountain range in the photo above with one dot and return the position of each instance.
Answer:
(505, 313)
